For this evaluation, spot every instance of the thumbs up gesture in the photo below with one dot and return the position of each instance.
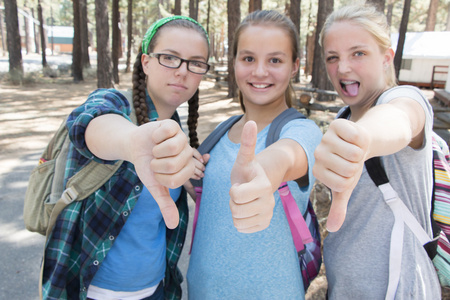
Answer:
(339, 163)
(251, 195)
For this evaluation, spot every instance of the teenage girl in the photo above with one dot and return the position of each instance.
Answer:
(394, 122)
(115, 244)
(243, 248)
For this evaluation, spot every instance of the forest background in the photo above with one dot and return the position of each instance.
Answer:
(113, 30)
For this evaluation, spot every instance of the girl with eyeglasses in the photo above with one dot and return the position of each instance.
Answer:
(115, 244)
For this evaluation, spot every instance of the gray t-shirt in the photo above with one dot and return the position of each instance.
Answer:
(357, 256)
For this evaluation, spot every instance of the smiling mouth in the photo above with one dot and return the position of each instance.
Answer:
(350, 88)
(260, 85)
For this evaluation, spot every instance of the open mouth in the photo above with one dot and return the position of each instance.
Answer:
(350, 88)
(260, 85)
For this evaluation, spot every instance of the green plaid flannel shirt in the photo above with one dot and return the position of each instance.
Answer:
(86, 230)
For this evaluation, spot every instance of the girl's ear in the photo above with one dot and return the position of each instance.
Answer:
(145, 59)
(296, 67)
(388, 57)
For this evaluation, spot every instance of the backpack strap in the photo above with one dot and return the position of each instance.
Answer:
(402, 215)
(277, 124)
(212, 139)
(205, 147)
(86, 181)
(297, 223)
(299, 228)
(275, 129)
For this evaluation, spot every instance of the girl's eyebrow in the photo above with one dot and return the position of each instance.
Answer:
(176, 53)
(275, 53)
(330, 52)
(245, 52)
(353, 48)
(357, 47)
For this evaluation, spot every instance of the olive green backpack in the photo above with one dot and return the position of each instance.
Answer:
(46, 197)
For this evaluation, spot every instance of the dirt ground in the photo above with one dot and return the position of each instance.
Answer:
(30, 114)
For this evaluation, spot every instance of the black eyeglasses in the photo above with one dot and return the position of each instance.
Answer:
(174, 62)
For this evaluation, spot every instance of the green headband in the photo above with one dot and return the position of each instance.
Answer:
(155, 26)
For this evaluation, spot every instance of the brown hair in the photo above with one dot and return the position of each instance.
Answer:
(139, 83)
(269, 18)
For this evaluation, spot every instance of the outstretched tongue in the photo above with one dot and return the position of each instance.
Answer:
(352, 89)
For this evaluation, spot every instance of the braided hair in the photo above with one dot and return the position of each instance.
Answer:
(139, 85)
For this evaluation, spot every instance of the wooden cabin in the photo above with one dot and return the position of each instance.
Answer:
(426, 58)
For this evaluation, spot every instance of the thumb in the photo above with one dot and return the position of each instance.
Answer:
(166, 204)
(338, 210)
(246, 152)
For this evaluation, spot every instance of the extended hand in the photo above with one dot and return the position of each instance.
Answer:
(339, 163)
(164, 160)
(251, 195)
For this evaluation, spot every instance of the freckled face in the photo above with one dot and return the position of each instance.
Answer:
(172, 87)
(355, 63)
(263, 65)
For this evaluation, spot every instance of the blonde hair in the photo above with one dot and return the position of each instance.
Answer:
(371, 20)
(269, 18)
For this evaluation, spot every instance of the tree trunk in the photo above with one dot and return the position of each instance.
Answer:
(42, 34)
(379, 4)
(254, 5)
(309, 47)
(319, 78)
(130, 34)
(193, 9)
(197, 2)
(115, 39)
(51, 26)
(294, 15)
(104, 72)
(177, 8)
(234, 17)
(310, 38)
(2, 34)
(77, 64)
(401, 37)
(27, 35)
(13, 42)
(220, 43)
(390, 8)
(84, 34)
(431, 17)
(208, 14)
(36, 34)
